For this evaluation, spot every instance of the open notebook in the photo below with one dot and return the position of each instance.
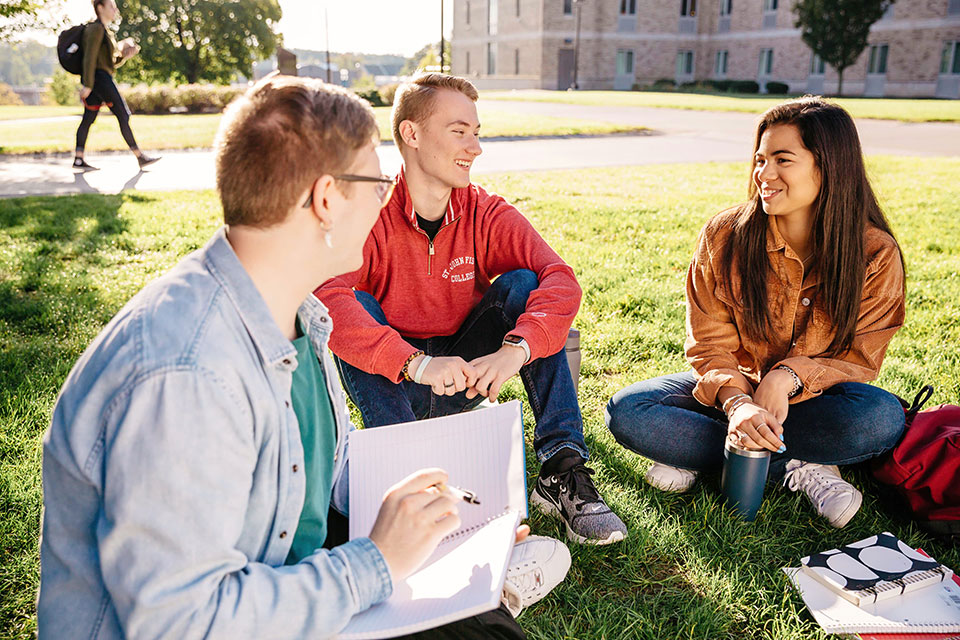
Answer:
(481, 451)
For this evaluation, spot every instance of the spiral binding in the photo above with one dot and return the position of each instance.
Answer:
(450, 537)
(902, 583)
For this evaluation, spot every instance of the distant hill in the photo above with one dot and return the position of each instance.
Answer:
(26, 63)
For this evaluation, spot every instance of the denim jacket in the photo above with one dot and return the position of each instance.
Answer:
(173, 474)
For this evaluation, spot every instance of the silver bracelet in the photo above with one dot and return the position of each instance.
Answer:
(797, 382)
(732, 399)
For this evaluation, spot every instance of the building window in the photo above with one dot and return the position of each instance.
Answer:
(467, 65)
(726, 7)
(953, 8)
(516, 62)
(624, 62)
(771, 5)
(628, 7)
(766, 62)
(467, 11)
(492, 17)
(878, 59)
(491, 58)
(688, 8)
(684, 63)
(568, 7)
(720, 66)
(950, 60)
(817, 66)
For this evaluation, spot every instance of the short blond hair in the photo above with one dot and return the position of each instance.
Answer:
(414, 100)
(280, 136)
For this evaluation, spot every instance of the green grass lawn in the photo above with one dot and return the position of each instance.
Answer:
(908, 110)
(689, 568)
(198, 131)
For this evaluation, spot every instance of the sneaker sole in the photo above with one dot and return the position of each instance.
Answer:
(551, 509)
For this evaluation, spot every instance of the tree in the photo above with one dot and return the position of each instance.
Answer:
(19, 15)
(63, 87)
(837, 30)
(198, 40)
(426, 56)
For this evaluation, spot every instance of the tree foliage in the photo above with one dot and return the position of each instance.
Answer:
(19, 15)
(198, 40)
(837, 30)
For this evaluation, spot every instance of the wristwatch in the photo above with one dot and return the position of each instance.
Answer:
(518, 341)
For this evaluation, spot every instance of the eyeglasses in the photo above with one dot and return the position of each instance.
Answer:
(385, 185)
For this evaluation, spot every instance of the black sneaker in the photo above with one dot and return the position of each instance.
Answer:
(147, 160)
(572, 495)
(80, 163)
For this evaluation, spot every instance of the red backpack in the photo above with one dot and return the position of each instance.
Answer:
(924, 467)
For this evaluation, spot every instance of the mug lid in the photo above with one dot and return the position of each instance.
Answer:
(732, 445)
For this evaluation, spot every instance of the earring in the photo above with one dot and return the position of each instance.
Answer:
(328, 240)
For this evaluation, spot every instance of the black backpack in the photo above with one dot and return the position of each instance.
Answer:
(70, 49)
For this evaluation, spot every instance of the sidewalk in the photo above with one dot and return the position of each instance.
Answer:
(680, 136)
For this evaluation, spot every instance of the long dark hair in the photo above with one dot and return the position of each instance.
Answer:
(842, 213)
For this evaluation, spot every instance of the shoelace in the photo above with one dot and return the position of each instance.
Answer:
(813, 482)
(527, 581)
(577, 480)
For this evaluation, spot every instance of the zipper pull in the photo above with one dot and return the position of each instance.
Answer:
(432, 252)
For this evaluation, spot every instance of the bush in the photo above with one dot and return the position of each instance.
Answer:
(777, 88)
(387, 92)
(8, 97)
(664, 84)
(372, 96)
(64, 88)
(186, 98)
(744, 86)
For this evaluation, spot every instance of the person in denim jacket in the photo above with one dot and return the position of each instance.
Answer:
(183, 495)
(792, 299)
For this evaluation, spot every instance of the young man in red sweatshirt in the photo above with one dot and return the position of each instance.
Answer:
(423, 332)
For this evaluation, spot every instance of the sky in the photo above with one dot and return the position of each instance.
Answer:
(365, 26)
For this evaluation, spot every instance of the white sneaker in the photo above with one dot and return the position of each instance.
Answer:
(833, 497)
(667, 478)
(537, 565)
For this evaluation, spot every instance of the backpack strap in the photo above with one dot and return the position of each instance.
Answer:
(918, 401)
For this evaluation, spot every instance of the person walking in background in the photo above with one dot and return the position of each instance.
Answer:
(101, 57)
(792, 299)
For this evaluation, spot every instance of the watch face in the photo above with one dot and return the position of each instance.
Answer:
(513, 339)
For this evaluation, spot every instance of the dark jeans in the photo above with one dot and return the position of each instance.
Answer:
(660, 419)
(105, 92)
(547, 381)
(493, 625)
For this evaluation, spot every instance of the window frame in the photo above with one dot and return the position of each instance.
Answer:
(878, 59)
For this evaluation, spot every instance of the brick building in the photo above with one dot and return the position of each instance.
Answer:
(914, 49)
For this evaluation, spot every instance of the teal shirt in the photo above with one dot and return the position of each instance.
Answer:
(318, 431)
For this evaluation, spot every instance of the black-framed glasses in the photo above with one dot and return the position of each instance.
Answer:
(385, 185)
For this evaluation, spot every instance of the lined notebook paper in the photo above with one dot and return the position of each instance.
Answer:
(481, 451)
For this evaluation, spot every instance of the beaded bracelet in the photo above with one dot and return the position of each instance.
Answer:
(797, 382)
(406, 365)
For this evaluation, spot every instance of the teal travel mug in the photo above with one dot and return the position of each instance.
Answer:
(744, 474)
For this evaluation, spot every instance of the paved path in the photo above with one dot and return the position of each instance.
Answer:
(680, 136)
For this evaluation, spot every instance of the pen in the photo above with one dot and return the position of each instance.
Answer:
(457, 492)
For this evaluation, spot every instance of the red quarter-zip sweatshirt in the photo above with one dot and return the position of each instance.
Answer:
(429, 288)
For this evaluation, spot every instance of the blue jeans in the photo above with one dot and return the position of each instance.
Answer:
(547, 380)
(661, 420)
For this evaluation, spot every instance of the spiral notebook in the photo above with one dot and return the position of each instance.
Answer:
(933, 610)
(874, 569)
(481, 451)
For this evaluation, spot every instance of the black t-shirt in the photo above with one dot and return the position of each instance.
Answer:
(430, 227)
